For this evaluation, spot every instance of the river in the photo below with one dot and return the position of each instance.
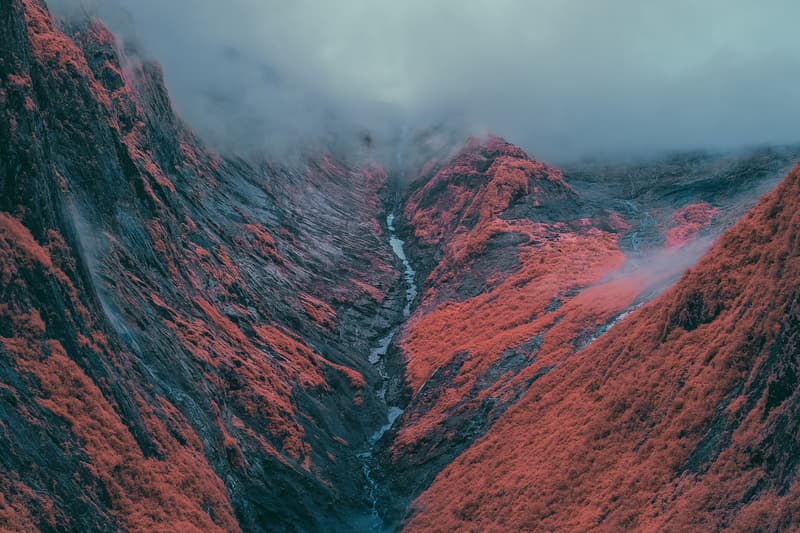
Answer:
(377, 358)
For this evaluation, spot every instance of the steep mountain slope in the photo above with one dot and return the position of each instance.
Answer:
(491, 226)
(684, 416)
(520, 271)
(192, 342)
(183, 338)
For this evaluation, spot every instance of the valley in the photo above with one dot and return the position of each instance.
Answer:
(475, 340)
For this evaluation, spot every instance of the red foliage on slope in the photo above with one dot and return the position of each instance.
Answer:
(502, 316)
(687, 223)
(263, 240)
(19, 503)
(524, 275)
(682, 417)
(179, 490)
(519, 282)
(462, 206)
(29, 252)
(319, 311)
(56, 51)
(496, 214)
(184, 312)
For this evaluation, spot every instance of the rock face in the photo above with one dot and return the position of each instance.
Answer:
(185, 339)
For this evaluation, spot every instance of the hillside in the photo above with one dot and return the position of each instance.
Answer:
(683, 417)
(520, 271)
(180, 333)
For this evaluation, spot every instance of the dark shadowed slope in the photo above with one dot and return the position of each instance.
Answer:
(683, 417)
(183, 338)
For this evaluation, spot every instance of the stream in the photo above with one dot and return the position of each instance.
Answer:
(377, 358)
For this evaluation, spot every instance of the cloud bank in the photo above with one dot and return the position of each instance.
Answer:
(564, 79)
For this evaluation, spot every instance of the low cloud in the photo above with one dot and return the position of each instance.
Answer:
(564, 79)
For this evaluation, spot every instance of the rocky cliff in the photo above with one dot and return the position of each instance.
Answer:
(183, 336)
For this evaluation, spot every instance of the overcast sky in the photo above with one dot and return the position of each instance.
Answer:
(562, 78)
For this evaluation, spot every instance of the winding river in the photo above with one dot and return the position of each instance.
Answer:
(377, 358)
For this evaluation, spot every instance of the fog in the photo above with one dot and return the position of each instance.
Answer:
(564, 79)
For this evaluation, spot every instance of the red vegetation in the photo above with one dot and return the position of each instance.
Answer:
(56, 51)
(520, 268)
(27, 250)
(179, 492)
(21, 507)
(322, 313)
(505, 314)
(158, 326)
(263, 241)
(674, 420)
(688, 222)
(364, 288)
(183, 337)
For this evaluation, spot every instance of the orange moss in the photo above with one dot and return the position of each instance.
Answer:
(54, 49)
(502, 316)
(25, 252)
(135, 145)
(228, 327)
(263, 241)
(13, 231)
(23, 80)
(22, 508)
(301, 362)
(370, 290)
(217, 266)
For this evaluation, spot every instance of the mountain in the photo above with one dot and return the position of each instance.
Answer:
(682, 417)
(180, 333)
(464, 337)
(521, 271)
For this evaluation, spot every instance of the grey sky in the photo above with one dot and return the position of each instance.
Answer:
(562, 78)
